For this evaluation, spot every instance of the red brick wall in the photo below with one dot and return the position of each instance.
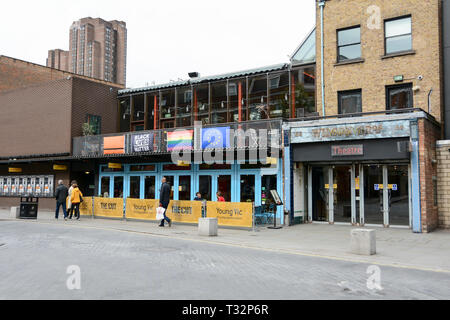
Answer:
(429, 133)
(16, 73)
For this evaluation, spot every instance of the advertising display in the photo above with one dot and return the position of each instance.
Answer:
(108, 208)
(14, 186)
(232, 214)
(22, 181)
(27, 186)
(185, 211)
(141, 209)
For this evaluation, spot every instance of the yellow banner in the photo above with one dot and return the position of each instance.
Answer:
(86, 207)
(108, 208)
(185, 211)
(233, 214)
(141, 209)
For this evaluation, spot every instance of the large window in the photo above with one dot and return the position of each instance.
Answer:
(349, 44)
(398, 35)
(350, 101)
(399, 97)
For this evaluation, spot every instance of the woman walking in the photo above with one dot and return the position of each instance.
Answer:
(76, 200)
(69, 201)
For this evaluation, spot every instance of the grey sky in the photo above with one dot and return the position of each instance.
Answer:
(166, 39)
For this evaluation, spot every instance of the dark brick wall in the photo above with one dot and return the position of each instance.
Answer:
(36, 120)
(96, 99)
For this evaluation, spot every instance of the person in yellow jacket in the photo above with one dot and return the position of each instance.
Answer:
(75, 198)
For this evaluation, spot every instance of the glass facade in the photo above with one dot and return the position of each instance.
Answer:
(273, 95)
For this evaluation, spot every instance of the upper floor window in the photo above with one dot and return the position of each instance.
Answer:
(398, 35)
(349, 44)
(95, 122)
(399, 97)
(350, 101)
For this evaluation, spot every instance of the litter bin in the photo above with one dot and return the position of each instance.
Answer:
(28, 207)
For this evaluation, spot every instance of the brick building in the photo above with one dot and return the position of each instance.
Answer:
(372, 159)
(42, 110)
(97, 49)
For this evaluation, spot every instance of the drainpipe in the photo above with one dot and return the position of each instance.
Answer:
(429, 100)
(322, 6)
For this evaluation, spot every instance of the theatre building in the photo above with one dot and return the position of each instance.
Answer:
(370, 158)
(238, 114)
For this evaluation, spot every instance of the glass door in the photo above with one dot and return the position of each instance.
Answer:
(319, 193)
(135, 187)
(150, 187)
(398, 177)
(184, 188)
(373, 194)
(224, 186)
(205, 187)
(247, 188)
(118, 185)
(342, 193)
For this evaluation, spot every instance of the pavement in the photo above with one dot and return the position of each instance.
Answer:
(396, 247)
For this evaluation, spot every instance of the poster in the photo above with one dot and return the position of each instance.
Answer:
(142, 142)
(233, 214)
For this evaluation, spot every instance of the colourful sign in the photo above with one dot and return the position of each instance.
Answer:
(108, 208)
(233, 214)
(141, 209)
(185, 211)
(180, 140)
(114, 145)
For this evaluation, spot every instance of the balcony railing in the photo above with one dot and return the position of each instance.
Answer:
(227, 136)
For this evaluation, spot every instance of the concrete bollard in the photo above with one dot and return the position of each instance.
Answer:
(208, 227)
(363, 242)
(15, 212)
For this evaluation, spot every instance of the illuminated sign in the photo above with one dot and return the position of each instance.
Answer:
(114, 165)
(343, 151)
(14, 170)
(59, 167)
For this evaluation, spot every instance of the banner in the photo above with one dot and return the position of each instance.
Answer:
(233, 214)
(86, 207)
(180, 140)
(141, 209)
(185, 211)
(142, 142)
(114, 145)
(108, 208)
(216, 138)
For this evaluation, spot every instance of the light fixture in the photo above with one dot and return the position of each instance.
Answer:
(262, 99)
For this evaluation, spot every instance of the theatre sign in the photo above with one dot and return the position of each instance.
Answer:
(369, 130)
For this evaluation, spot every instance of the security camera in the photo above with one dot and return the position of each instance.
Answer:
(420, 77)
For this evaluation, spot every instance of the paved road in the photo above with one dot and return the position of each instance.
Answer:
(123, 265)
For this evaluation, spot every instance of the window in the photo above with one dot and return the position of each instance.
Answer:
(398, 35)
(399, 97)
(349, 102)
(95, 122)
(349, 44)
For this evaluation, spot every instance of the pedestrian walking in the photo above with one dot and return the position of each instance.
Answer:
(76, 198)
(164, 199)
(69, 202)
(219, 197)
(61, 194)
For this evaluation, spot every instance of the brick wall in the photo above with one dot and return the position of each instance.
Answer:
(429, 133)
(375, 73)
(443, 180)
(36, 120)
(15, 73)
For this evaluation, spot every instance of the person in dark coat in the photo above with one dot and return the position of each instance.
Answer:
(164, 199)
(61, 194)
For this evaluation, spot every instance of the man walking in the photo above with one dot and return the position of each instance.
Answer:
(61, 194)
(164, 199)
